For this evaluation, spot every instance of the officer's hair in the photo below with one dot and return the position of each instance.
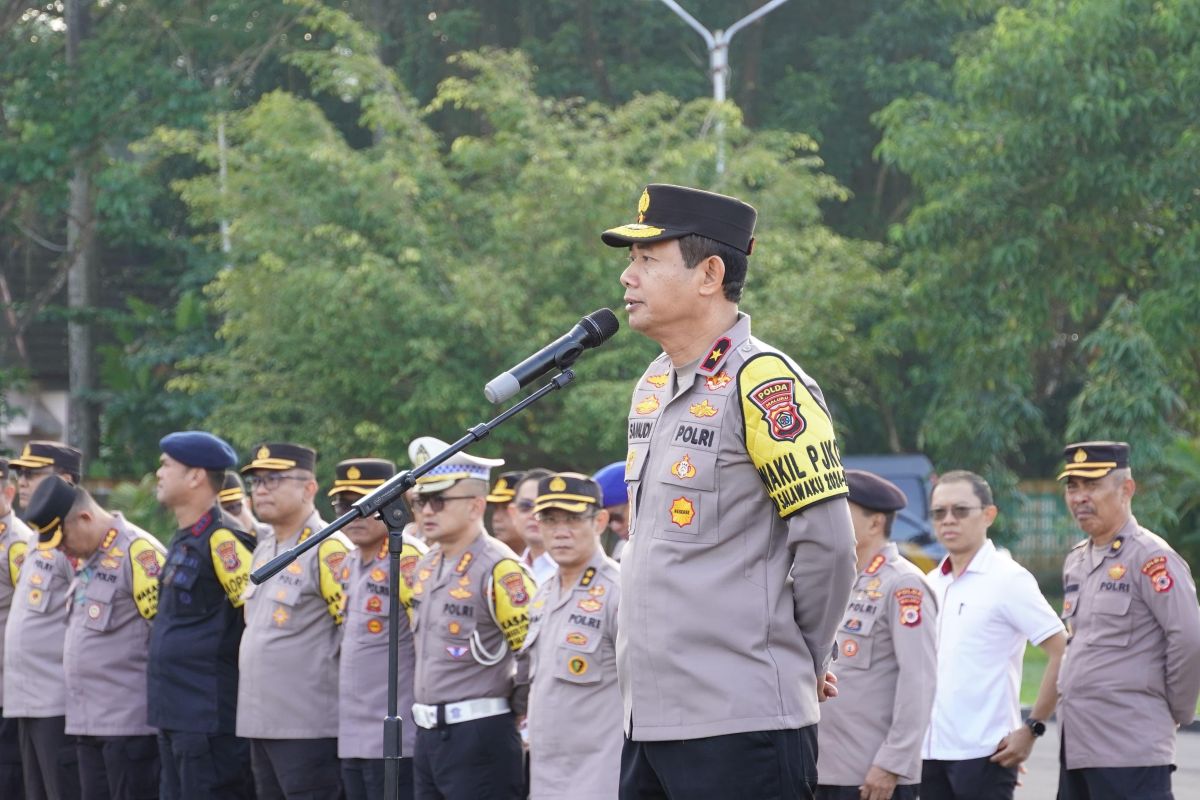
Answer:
(695, 248)
(1121, 474)
(216, 479)
(888, 518)
(535, 475)
(83, 501)
(978, 485)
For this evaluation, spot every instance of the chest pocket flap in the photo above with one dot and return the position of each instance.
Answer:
(101, 591)
(97, 604)
(854, 651)
(284, 593)
(1112, 624)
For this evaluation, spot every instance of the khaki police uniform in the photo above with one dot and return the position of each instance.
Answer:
(1131, 671)
(574, 702)
(740, 556)
(289, 655)
(887, 670)
(15, 537)
(470, 616)
(112, 601)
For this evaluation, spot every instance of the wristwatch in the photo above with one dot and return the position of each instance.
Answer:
(1036, 726)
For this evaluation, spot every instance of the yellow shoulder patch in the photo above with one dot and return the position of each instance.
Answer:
(231, 562)
(409, 556)
(512, 589)
(146, 560)
(789, 437)
(331, 553)
(16, 557)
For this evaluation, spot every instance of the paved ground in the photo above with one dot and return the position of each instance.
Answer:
(1041, 780)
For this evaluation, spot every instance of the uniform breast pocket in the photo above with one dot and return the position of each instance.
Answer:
(1112, 624)
(854, 642)
(97, 605)
(578, 658)
(285, 594)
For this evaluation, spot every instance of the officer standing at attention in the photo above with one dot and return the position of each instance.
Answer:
(570, 654)
(471, 613)
(737, 580)
(870, 734)
(14, 545)
(499, 499)
(192, 674)
(34, 691)
(1131, 672)
(287, 697)
(363, 665)
(115, 596)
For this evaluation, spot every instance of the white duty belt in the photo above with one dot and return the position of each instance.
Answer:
(442, 714)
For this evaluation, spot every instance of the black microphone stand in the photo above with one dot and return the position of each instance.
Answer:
(389, 504)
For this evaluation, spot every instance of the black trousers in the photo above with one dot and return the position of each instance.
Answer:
(118, 767)
(759, 765)
(49, 763)
(969, 779)
(1115, 783)
(476, 760)
(296, 769)
(911, 791)
(200, 766)
(363, 778)
(11, 782)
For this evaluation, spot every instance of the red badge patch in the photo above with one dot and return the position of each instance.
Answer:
(1156, 570)
(910, 607)
(716, 355)
(149, 563)
(514, 584)
(876, 562)
(776, 399)
(408, 565)
(849, 648)
(374, 626)
(463, 563)
(374, 603)
(227, 552)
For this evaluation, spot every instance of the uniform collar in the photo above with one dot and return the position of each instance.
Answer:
(1121, 541)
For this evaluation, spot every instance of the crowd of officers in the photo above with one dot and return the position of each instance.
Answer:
(673, 626)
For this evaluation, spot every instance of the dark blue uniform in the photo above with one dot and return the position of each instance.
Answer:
(193, 671)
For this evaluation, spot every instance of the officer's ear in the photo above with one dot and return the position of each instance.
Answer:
(712, 274)
(601, 521)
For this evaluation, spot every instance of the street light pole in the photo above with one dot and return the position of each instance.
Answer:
(718, 57)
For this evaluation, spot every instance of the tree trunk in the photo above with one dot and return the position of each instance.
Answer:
(83, 422)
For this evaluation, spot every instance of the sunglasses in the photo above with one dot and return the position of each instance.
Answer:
(960, 512)
(436, 502)
(270, 482)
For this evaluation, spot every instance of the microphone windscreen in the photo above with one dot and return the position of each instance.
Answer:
(606, 324)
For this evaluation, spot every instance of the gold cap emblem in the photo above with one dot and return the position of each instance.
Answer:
(263, 452)
(643, 205)
(558, 485)
(422, 456)
(1080, 456)
(354, 473)
(27, 452)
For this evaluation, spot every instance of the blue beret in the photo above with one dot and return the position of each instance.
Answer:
(198, 449)
(612, 484)
(873, 492)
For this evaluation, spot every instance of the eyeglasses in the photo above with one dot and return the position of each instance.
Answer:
(271, 481)
(960, 512)
(342, 506)
(436, 502)
(233, 509)
(31, 473)
(552, 521)
(524, 506)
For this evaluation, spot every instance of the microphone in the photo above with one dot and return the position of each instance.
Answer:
(592, 331)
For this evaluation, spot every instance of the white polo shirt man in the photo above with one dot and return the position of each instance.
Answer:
(990, 607)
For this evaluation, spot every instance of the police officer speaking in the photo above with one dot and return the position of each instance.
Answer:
(1131, 672)
(736, 579)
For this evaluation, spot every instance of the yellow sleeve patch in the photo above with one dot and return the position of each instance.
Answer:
(16, 557)
(789, 437)
(330, 555)
(146, 560)
(409, 556)
(231, 562)
(512, 589)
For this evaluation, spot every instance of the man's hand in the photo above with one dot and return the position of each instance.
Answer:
(827, 687)
(1014, 748)
(879, 784)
